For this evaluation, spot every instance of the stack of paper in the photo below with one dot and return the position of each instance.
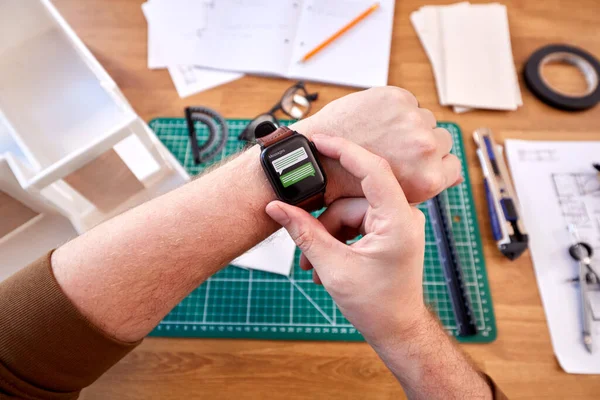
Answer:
(205, 43)
(469, 48)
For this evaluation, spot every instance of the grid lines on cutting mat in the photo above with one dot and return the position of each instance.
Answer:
(241, 303)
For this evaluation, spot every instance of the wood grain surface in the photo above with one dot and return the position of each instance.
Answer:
(105, 181)
(13, 213)
(521, 360)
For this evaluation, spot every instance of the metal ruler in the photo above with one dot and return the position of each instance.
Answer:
(455, 282)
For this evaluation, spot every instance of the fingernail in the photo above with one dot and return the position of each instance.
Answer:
(277, 213)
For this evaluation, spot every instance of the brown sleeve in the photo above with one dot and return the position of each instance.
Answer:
(48, 350)
(496, 392)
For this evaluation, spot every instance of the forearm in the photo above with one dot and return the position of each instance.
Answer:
(128, 273)
(429, 365)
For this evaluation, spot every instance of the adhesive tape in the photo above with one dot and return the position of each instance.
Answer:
(584, 61)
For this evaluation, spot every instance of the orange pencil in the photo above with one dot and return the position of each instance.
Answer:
(339, 33)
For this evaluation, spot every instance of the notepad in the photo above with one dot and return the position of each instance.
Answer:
(269, 37)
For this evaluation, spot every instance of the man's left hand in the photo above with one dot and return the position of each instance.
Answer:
(388, 122)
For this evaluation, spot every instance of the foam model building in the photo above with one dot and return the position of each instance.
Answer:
(73, 153)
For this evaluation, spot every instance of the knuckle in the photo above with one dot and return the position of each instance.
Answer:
(419, 218)
(444, 132)
(415, 237)
(382, 165)
(338, 280)
(305, 240)
(445, 135)
(338, 277)
(395, 94)
(413, 117)
(403, 94)
(429, 118)
(455, 162)
(341, 284)
(455, 171)
(428, 112)
(432, 183)
(413, 232)
(426, 144)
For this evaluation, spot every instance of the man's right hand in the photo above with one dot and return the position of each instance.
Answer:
(388, 122)
(377, 281)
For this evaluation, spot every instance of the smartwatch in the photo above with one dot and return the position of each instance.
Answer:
(292, 167)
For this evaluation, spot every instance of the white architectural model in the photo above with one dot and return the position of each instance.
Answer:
(62, 121)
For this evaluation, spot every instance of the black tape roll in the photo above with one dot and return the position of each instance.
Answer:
(584, 61)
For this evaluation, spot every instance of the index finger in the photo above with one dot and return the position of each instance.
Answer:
(380, 186)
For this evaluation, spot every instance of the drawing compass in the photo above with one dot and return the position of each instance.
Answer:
(582, 252)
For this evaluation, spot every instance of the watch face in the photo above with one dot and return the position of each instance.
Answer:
(293, 169)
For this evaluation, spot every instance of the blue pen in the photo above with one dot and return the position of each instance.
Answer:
(503, 206)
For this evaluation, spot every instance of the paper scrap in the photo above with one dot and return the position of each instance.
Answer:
(189, 80)
(275, 254)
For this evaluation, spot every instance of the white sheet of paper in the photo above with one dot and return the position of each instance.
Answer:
(189, 80)
(359, 58)
(242, 35)
(271, 36)
(426, 23)
(275, 254)
(173, 25)
(429, 38)
(155, 58)
(555, 183)
(474, 75)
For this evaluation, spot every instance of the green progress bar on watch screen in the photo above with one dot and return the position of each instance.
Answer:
(298, 174)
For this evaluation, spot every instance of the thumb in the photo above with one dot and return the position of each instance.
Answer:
(308, 233)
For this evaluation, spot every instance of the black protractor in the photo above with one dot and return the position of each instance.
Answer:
(218, 132)
(457, 290)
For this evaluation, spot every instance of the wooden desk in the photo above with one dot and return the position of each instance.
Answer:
(521, 360)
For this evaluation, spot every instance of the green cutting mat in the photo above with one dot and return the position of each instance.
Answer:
(237, 303)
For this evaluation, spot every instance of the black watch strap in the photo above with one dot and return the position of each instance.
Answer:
(313, 203)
